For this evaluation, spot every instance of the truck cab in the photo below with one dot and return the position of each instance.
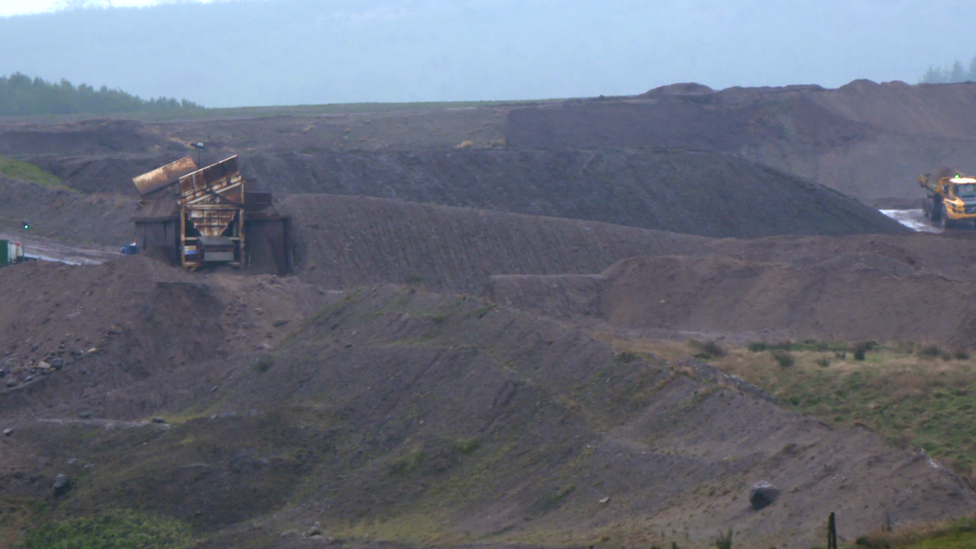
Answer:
(950, 199)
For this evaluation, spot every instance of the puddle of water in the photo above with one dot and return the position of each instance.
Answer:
(913, 219)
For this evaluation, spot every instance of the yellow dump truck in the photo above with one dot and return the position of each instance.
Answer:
(950, 198)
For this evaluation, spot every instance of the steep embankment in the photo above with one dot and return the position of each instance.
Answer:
(346, 241)
(422, 419)
(694, 192)
(893, 289)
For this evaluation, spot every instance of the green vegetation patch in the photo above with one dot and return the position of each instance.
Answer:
(903, 394)
(958, 534)
(114, 530)
(29, 173)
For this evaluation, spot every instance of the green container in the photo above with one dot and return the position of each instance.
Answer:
(4, 253)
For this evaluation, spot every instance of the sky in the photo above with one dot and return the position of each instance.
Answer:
(30, 7)
(227, 53)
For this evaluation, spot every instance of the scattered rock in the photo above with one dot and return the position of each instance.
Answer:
(8, 431)
(12, 382)
(62, 483)
(762, 494)
(158, 420)
(280, 323)
(57, 363)
(604, 501)
(84, 414)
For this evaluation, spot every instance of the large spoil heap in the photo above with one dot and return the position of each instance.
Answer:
(203, 217)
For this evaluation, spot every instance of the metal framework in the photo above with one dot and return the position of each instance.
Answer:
(212, 216)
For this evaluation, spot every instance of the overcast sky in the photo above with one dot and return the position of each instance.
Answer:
(271, 52)
(29, 7)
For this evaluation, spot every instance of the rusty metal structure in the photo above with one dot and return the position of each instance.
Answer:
(212, 211)
(203, 217)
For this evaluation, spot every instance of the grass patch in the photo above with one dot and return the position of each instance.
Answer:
(115, 530)
(466, 446)
(29, 173)
(907, 397)
(957, 534)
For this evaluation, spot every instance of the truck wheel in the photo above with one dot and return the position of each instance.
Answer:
(926, 209)
(946, 222)
(936, 211)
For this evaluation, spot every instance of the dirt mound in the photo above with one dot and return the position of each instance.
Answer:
(865, 139)
(434, 419)
(693, 192)
(897, 290)
(114, 323)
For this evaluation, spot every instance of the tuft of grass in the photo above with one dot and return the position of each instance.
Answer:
(409, 463)
(930, 351)
(263, 364)
(466, 446)
(784, 358)
(114, 530)
(29, 173)
(758, 346)
(627, 357)
(707, 349)
(823, 362)
(724, 540)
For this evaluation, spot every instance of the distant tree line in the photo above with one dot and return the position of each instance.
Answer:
(23, 95)
(949, 75)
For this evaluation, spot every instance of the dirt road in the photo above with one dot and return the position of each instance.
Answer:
(49, 249)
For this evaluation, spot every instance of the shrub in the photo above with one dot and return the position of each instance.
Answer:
(758, 346)
(861, 349)
(962, 354)
(823, 362)
(784, 358)
(930, 351)
(713, 348)
(707, 349)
